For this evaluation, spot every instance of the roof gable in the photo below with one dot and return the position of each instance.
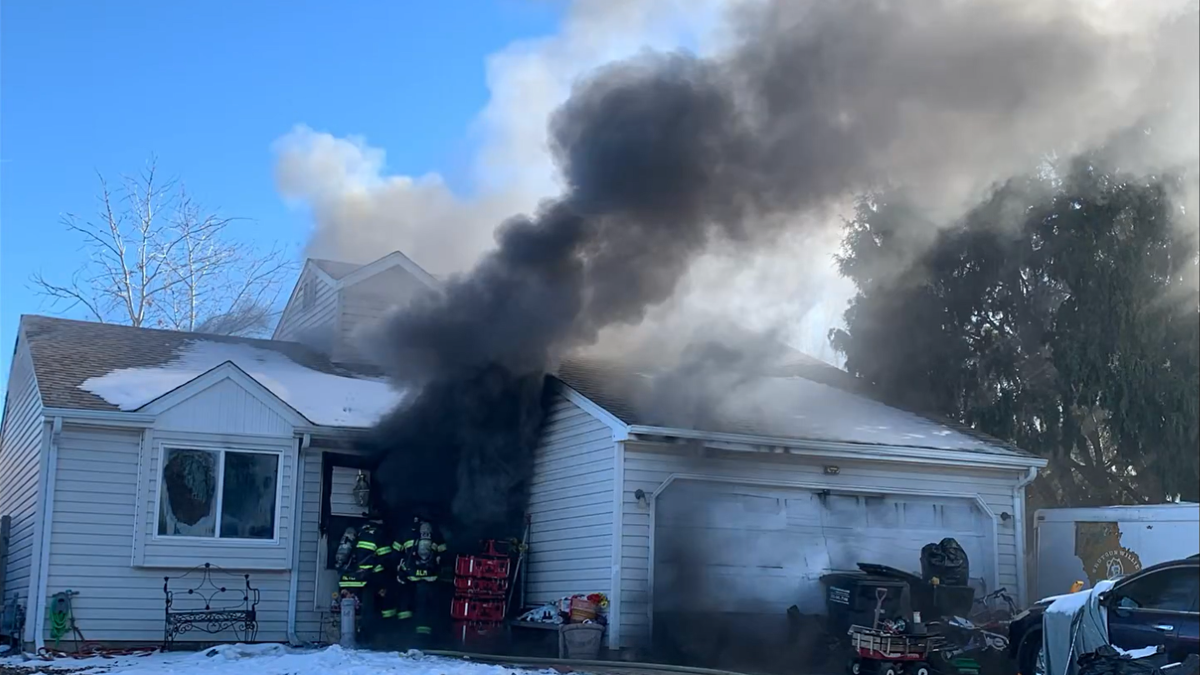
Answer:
(211, 380)
(387, 262)
(335, 269)
(311, 271)
(20, 367)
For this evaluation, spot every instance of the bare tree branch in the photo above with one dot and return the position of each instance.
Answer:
(157, 257)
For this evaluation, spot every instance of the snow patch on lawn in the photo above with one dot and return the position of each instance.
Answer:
(323, 398)
(273, 659)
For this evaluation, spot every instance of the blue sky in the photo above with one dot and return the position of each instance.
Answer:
(207, 87)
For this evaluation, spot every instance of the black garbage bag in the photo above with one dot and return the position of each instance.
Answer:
(1108, 661)
(947, 561)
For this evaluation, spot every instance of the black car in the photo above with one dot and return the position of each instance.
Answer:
(1159, 605)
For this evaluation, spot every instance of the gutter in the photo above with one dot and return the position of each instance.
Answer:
(841, 449)
(332, 432)
(39, 610)
(1019, 521)
(297, 521)
(121, 418)
(110, 418)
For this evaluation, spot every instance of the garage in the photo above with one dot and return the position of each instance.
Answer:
(731, 558)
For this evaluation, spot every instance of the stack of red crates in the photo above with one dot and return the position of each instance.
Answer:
(481, 585)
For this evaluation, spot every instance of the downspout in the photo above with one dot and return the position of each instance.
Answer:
(614, 596)
(39, 610)
(297, 522)
(1019, 522)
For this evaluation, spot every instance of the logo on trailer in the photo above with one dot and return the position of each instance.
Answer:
(1098, 547)
(1115, 563)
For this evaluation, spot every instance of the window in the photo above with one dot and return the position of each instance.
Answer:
(221, 494)
(308, 295)
(1171, 590)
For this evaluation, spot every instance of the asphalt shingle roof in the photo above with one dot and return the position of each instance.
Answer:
(66, 353)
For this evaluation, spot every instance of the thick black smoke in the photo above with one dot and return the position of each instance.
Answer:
(666, 154)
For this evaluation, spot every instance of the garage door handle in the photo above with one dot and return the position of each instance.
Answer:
(1164, 628)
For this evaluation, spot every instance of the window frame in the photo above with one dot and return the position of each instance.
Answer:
(1146, 575)
(220, 495)
(308, 295)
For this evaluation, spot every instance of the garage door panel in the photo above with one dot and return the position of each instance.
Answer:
(803, 547)
(895, 549)
(729, 589)
(729, 510)
(732, 548)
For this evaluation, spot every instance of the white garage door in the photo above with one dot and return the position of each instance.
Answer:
(722, 547)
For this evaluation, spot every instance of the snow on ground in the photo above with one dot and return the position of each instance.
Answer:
(266, 659)
(325, 399)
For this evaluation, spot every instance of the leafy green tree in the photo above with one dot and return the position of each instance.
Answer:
(1060, 315)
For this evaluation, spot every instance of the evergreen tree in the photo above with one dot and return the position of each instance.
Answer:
(1061, 315)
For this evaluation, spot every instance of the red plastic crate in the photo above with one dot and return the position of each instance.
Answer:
(481, 586)
(476, 609)
(482, 568)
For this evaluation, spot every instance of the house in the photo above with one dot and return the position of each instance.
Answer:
(131, 454)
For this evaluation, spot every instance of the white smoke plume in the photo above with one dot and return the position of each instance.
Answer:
(359, 210)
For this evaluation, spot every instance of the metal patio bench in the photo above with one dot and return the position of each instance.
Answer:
(210, 600)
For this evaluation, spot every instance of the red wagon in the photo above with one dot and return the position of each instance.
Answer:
(888, 653)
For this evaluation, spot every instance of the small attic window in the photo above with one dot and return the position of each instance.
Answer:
(308, 295)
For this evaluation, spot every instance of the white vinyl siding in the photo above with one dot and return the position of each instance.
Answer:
(96, 498)
(20, 457)
(571, 505)
(311, 611)
(341, 493)
(647, 467)
(227, 407)
(362, 305)
(313, 325)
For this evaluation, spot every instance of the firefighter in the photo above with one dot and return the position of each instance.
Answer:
(362, 563)
(387, 592)
(419, 564)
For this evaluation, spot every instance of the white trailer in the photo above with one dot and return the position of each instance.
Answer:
(1092, 544)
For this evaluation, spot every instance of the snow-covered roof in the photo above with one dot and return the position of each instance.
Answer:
(323, 398)
(93, 366)
(803, 401)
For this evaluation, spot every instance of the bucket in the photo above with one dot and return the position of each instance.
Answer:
(580, 640)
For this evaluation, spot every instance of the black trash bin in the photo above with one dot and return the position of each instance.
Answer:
(933, 601)
(850, 600)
